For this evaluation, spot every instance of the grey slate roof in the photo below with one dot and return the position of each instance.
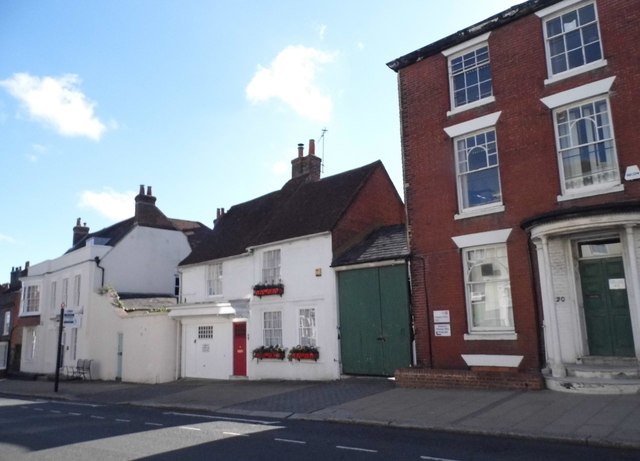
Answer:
(495, 21)
(300, 208)
(383, 244)
(111, 235)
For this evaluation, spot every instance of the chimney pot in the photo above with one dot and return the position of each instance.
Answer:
(300, 150)
(149, 190)
(312, 147)
(141, 189)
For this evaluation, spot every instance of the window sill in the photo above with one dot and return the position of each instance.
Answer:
(490, 336)
(481, 212)
(29, 314)
(577, 71)
(590, 193)
(471, 105)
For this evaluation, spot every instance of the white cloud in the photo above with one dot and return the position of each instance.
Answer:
(6, 239)
(57, 102)
(291, 78)
(322, 29)
(114, 205)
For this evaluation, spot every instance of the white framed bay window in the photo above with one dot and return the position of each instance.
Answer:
(585, 140)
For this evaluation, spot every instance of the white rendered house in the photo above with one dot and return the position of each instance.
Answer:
(262, 280)
(96, 282)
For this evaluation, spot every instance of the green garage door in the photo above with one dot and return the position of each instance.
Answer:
(375, 328)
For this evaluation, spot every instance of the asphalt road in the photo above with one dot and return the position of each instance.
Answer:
(53, 430)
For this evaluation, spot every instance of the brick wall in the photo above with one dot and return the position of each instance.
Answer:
(529, 173)
(377, 204)
(424, 378)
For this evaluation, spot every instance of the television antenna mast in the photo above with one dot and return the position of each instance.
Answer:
(322, 139)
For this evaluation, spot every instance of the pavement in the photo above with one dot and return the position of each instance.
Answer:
(597, 420)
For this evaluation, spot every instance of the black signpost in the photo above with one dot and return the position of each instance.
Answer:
(59, 357)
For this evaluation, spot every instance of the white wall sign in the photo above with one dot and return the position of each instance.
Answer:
(441, 316)
(442, 329)
(617, 284)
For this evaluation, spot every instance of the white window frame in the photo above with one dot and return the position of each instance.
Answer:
(4, 346)
(476, 241)
(575, 96)
(555, 11)
(272, 328)
(271, 266)
(65, 293)
(613, 172)
(53, 297)
(6, 326)
(31, 339)
(31, 298)
(214, 279)
(77, 286)
(462, 149)
(458, 51)
(485, 123)
(307, 331)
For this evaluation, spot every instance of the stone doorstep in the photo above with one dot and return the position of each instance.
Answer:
(610, 372)
(593, 385)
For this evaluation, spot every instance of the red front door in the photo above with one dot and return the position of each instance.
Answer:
(240, 349)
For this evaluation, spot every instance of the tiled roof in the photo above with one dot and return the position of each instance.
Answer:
(383, 244)
(111, 235)
(300, 208)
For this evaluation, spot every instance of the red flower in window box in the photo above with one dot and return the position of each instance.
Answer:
(268, 289)
(269, 352)
(303, 353)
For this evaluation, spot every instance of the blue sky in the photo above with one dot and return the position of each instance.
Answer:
(204, 100)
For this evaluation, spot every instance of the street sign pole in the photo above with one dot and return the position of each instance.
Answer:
(59, 357)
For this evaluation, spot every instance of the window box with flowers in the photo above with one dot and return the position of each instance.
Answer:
(303, 353)
(268, 289)
(269, 352)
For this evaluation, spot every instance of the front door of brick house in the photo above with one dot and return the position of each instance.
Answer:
(240, 349)
(606, 304)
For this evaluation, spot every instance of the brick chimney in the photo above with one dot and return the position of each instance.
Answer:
(145, 205)
(309, 165)
(79, 232)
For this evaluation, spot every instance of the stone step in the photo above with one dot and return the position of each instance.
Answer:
(593, 385)
(608, 361)
(612, 372)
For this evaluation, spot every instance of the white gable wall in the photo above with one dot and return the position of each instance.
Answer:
(145, 261)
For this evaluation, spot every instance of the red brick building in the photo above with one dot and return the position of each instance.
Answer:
(520, 155)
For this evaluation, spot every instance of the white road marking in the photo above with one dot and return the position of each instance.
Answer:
(241, 420)
(96, 417)
(301, 442)
(74, 414)
(153, 424)
(366, 450)
(235, 434)
(224, 418)
(429, 458)
(123, 420)
(189, 428)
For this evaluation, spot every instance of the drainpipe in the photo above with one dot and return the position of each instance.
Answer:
(97, 261)
(428, 306)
